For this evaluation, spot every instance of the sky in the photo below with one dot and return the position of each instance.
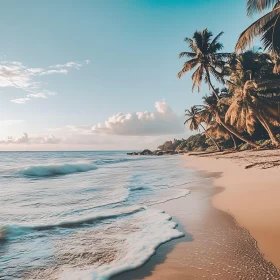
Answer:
(101, 74)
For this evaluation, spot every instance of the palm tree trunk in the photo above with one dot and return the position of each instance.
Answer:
(267, 127)
(215, 143)
(210, 84)
(234, 132)
(234, 141)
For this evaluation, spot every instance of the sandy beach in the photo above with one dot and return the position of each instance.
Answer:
(217, 244)
(251, 194)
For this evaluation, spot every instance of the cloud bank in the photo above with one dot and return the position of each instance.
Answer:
(120, 131)
(161, 122)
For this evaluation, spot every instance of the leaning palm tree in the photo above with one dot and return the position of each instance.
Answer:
(218, 131)
(204, 58)
(216, 112)
(247, 109)
(268, 26)
(194, 121)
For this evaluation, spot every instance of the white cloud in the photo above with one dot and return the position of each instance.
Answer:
(14, 74)
(68, 65)
(42, 94)
(25, 139)
(51, 139)
(37, 95)
(50, 72)
(35, 70)
(163, 121)
(20, 100)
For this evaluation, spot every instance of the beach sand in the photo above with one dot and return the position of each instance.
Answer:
(252, 193)
(214, 246)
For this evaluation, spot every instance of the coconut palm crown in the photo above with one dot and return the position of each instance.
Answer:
(205, 59)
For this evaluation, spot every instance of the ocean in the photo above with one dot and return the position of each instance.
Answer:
(84, 215)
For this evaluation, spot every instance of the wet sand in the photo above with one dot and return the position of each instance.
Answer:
(252, 190)
(214, 246)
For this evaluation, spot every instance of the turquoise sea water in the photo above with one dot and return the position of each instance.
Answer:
(84, 215)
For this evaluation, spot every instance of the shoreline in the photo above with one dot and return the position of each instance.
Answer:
(214, 246)
(251, 193)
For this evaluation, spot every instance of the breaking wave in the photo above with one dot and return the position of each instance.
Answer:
(16, 230)
(68, 168)
(54, 170)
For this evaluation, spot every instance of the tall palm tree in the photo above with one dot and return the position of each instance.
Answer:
(195, 121)
(204, 58)
(268, 26)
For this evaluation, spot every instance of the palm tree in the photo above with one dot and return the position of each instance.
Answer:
(195, 121)
(205, 57)
(218, 131)
(215, 111)
(247, 108)
(250, 82)
(268, 26)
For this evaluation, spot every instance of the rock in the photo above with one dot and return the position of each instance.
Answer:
(146, 152)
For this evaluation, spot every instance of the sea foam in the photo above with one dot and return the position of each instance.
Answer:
(156, 229)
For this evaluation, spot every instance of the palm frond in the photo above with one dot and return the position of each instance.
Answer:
(197, 77)
(192, 44)
(254, 6)
(215, 44)
(270, 36)
(246, 38)
(198, 39)
(187, 54)
(188, 65)
(217, 75)
(217, 131)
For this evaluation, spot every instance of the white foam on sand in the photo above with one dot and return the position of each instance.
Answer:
(155, 227)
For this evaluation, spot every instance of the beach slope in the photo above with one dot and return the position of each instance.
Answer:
(251, 182)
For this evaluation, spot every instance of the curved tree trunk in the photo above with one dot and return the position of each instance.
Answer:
(267, 127)
(212, 87)
(234, 132)
(208, 135)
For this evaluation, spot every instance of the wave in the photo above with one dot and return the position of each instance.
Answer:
(119, 160)
(10, 231)
(68, 168)
(182, 193)
(57, 169)
(138, 188)
(156, 228)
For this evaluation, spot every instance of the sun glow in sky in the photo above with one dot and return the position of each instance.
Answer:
(98, 74)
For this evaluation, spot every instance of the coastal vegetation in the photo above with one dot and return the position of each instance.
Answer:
(242, 107)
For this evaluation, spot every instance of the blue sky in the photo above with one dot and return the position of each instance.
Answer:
(125, 55)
